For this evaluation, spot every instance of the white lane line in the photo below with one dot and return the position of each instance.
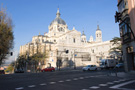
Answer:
(19, 88)
(117, 81)
(123, 80)
(85, 89)
(122, 84)
(91, 76)
(52, 82)
(94, 87)
(42, 84)
(110, 83)
(68, 80)
(75, 79)
(81, 78)
(86, 77)
(32, 86)
(60, 81)
(102, 84)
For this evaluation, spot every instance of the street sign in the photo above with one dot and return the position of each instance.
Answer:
(75, 54)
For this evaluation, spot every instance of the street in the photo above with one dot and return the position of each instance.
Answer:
(66, 80)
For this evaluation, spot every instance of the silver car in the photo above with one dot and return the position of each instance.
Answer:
(89, 67)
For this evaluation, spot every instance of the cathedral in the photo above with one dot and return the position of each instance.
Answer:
(70, 47)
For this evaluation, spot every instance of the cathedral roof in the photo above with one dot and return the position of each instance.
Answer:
(58, 19)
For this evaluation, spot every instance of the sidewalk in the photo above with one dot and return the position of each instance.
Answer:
(130, 74)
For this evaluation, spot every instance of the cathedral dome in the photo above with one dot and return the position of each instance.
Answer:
(58, 20)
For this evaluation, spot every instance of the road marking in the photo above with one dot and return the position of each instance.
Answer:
(94, 87)
(102, 84)
(85, 89)
(75, 79)
(123, 80)
(86, 77)
(19, 88)
(32, 86)
(52, 82)
(92, 76)
(116, 81)
(43, 84)
(68, 80)
(81, 78)
(122, 84)
(60, 81)
(110, 83)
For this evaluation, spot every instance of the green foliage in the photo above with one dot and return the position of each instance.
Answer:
(117, 50)
(10, 68)
(39, 57)
(116, 41)
(6, 35)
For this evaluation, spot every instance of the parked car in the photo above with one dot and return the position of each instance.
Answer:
(48, 69)
(89, 67)
(120, 65)
(2, 72)
(19, 71)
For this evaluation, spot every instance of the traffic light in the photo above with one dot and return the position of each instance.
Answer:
(117, 17)
(66, 51)
(11, 53)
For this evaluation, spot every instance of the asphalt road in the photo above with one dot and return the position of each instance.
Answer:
(66, 80)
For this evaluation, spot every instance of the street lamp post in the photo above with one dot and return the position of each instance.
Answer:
(74, 60)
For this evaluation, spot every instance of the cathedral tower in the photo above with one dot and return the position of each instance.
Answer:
(98, 34)
(83, 37)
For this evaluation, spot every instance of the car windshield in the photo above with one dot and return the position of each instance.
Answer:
(88, 66)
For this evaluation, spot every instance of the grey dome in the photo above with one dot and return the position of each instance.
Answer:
(58, 20)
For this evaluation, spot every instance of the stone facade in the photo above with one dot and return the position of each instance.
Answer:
(59, 39)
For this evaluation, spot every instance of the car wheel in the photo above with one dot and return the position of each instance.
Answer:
(88, 69)
(43, 71)
(83, 70)
(52, 70)
(95, 69)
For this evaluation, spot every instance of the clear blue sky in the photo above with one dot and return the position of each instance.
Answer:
(31, 17)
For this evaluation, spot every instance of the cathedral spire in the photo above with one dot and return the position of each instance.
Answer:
(58, 13)
(83, 33)
(98, 27)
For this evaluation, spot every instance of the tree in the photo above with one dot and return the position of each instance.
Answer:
(117, 49)
(10, 68)
(6, 35)
(39, 58)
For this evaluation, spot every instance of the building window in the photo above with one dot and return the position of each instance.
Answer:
(74, 40)
(124, 29)
(54, 40)
(97, 35)
(93, 51)
(121, 6)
